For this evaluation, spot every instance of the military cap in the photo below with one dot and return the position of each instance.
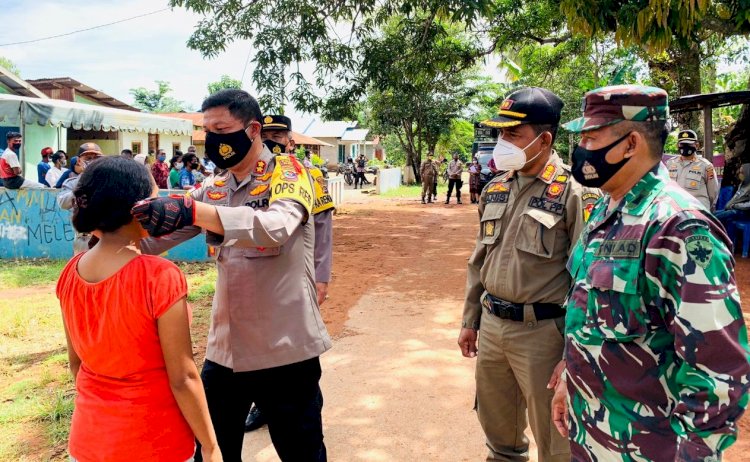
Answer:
(687, 136)
(529, 105)
(610, 105)
(277, 122)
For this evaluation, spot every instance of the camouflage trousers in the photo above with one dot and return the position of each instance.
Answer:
(427, 188)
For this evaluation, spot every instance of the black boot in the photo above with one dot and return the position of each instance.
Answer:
(423, 200)
(254, 419)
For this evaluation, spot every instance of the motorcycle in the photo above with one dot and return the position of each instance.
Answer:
(348, 171)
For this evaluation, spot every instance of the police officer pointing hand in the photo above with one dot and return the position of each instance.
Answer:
(266, 331)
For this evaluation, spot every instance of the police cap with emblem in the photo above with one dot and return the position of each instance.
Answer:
(530, 105)
(687, 136)
(610, 105)
(277, 122)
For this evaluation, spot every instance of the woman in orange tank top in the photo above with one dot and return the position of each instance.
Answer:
(127, 325)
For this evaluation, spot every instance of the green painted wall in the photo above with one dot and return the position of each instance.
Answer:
(35, 138)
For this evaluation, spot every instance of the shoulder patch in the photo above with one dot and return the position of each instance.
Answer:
(700, 249)
(589, 196)
(285, 184)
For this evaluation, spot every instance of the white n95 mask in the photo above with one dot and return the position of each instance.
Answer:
(508, 156)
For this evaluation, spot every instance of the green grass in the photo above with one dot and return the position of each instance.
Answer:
(36, 389)
(29, 273)
(413, 191)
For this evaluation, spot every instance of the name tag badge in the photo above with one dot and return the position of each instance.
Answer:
(621, 248)
(496, 197)
(547, 205)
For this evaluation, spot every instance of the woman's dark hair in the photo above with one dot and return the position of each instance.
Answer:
(240, 104)
(106, 192)
(188, 158)
(176, 158)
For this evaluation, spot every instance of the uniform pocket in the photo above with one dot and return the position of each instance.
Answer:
(537, 233)
(614, 307)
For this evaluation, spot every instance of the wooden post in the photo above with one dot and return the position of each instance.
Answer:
(708, 133)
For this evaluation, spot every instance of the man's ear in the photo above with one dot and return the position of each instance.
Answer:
(546, 140)
(254, 129)
(634, 140)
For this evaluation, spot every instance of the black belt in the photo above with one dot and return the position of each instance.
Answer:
(514, 311)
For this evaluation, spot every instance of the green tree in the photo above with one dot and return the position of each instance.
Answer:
(158, 100)
(10, 65)
(224, 83)
(458, 138)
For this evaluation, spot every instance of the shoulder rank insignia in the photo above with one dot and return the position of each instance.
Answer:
(562, 178)
(260, 167)
(548, 173)
(220, 183)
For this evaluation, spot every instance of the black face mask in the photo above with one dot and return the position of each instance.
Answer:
(274, 147)
(590, 168)
(15, 147)
(227, 149)
(686, 151)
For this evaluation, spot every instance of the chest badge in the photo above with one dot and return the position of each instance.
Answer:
(555, 190)
(497, 187)
(489, 228)
(260, 189)
(216, 195)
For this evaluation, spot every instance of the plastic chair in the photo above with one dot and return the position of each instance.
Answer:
(744, 228)
(725, 195)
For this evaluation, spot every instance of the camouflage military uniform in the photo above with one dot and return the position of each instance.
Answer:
(656, 345)
(428, 172)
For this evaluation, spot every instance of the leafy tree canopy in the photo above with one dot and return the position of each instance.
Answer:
(10, 65)
(158, 100)
(223, 83)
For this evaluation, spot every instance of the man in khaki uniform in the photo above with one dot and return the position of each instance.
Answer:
(266, 331)
(530, 218)
(693, 172)
(428, 171)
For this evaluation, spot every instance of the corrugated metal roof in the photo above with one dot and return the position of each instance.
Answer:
(50, 84)
(356, 134)
(19, 86)
(333, 129)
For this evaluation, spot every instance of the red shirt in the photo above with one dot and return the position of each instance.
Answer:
(125, 409)
(8, 161)
(160, 171)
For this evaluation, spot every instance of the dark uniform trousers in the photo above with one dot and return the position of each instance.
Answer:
(288, 396)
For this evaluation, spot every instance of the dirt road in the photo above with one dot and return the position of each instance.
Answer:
(395, 385)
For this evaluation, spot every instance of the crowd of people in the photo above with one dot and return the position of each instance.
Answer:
(601, 303)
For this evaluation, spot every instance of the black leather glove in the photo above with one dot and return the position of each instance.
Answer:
(164, 215)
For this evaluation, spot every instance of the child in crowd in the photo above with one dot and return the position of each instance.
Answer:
(127, 324)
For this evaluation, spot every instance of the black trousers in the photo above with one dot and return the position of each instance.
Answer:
(288, 396)
(359, 176)
(458, 183)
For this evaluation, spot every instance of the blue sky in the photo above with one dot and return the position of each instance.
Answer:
(117, 58)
